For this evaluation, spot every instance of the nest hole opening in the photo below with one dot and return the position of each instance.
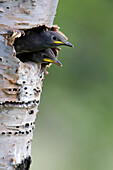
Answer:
(22, 56)
(25, 55)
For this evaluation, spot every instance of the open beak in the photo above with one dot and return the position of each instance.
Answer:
(52, 61)
(64, 43)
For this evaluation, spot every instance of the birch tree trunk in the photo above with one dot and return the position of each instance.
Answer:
(20, 83)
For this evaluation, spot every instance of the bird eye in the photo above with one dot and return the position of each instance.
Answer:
(44, 56)
(54, 38)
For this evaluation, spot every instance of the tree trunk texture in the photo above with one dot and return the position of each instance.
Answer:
(20, 83)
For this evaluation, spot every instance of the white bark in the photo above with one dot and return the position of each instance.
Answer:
(20, 83)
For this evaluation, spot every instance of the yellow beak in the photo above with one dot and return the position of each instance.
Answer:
(51, 61)
(58, 42)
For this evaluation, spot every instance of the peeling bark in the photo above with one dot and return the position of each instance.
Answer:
(20, 83)
(25, 14)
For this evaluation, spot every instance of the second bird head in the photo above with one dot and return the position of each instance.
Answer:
(44, 56)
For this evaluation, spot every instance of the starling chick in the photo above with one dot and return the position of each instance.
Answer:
(44, 56)
(34, 41)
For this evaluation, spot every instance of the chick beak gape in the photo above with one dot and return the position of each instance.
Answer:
(52, 61)
(64, 43)
(58, 42)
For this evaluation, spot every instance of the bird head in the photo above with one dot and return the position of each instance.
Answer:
(49, 56)
(55, 39)
(44, 56)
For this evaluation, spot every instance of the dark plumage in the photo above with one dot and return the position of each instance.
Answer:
(34, 41)
(44, 56)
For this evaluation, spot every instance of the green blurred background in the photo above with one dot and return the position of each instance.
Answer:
(74, 128)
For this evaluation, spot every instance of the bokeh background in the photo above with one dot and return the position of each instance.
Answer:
(74, 128)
